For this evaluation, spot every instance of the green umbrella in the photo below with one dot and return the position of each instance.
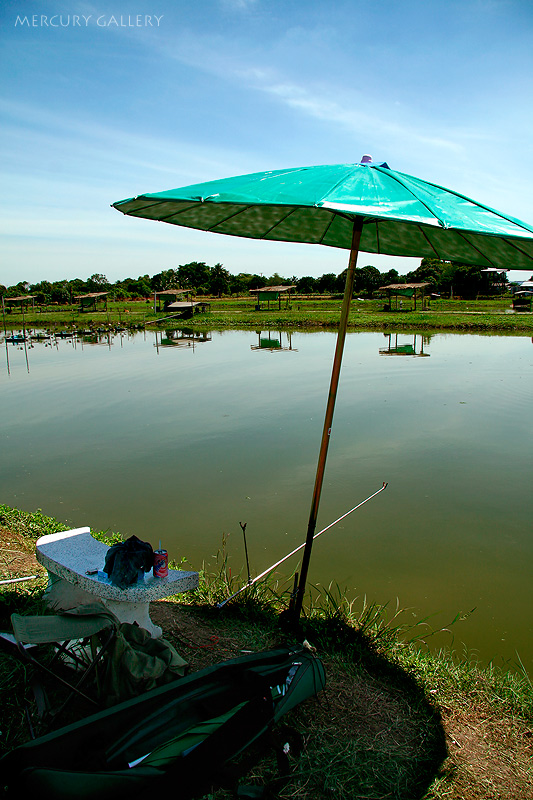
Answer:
(363, 206)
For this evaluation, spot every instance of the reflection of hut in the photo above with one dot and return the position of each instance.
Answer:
(267, 342)
(22, 301)
(163, 299)
(408, 290)
(268, 293)
(181, 338)
(396, 348)
(94, 301)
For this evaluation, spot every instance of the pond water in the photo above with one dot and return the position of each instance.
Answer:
(182, 439)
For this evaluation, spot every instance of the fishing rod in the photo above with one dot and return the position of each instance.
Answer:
(300, 547)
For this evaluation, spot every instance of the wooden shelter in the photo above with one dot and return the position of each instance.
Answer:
(407, 290)
(522, 300)
(186, 308)
(268, 293)
(163, 299)
(22, 300)
(94, 301)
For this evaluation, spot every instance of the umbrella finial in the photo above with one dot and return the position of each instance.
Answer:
(366, 160)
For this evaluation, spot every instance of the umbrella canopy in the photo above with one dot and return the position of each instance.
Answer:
(362, 206)
(402, 215)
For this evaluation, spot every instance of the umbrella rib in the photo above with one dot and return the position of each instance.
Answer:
(246, 208)
(155, 205)
(483, 255)
(503, 238)
(431, 211)
(499, 214)
(332, 188)
(180, 211)
(330, 223)
(212, 228)
(215, 224)
(132, 213)
(229, 216)
(280, 221)
(424, 234)
(516, 247)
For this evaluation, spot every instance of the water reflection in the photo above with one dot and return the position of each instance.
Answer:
(266, 340)
(147, 441)
(181, 337)
(399, 346)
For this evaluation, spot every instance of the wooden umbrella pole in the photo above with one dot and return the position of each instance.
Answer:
(330, 407)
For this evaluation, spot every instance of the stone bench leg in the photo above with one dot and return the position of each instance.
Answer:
(134, 612)
(60, 594)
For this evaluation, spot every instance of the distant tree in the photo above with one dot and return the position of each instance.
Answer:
(42, 291)
(20, 288)
(194, 276)
(133, 287)
(306, 285)
(60, 292)
(367, 280)
(239, 284)
(431, 270)
(327, 283)
(467, 280)
(76, 286)
(276, 280)
(219, 280)
(258, 281)
(97, 283)
(168, 279)
(391, 276)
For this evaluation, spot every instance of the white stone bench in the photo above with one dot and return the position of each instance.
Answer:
(69, 555)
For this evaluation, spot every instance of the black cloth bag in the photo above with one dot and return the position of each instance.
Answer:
(123, 561)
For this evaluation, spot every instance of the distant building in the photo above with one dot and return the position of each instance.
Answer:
(268, 293)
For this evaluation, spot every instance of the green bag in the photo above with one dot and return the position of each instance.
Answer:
(179, 739)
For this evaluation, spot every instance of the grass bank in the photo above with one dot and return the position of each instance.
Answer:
(304, 313)
(394, 721)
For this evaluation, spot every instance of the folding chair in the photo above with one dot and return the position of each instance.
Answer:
(80, 638)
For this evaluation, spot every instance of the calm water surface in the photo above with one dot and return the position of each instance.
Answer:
(181, 440)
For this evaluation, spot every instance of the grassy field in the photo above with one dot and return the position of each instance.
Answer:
(308, 313)
(395, 721)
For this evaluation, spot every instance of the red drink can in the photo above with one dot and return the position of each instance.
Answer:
(160, 563)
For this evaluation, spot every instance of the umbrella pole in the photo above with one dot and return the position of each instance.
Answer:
(330, 407)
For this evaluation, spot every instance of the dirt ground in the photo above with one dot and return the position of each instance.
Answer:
(488, 758)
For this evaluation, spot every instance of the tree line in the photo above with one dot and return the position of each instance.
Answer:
(447, 278)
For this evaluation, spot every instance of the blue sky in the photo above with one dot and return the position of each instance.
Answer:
(102, 101)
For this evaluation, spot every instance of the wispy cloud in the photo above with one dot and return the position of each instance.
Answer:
(238, 5)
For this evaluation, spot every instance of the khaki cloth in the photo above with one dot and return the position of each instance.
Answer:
(137, 663)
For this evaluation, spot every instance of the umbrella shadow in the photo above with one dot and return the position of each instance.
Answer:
(376, 733)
